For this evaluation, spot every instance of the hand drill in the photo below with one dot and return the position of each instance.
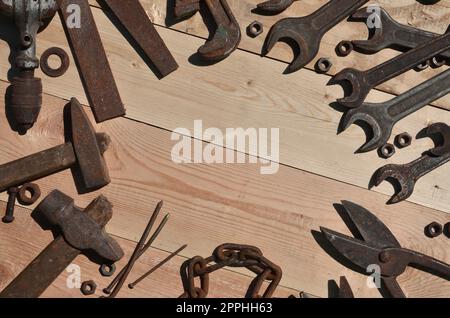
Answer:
(30, 17)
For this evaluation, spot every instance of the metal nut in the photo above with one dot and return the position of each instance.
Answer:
(433, 229)
(447, 229)
(403, 140)
(107, 270)
(422, 66)
(437, 62)
(344, 48)
(323, 65)
(29, 193)
(255, 28)
(88, 288)
(64, 58)
(387, 151)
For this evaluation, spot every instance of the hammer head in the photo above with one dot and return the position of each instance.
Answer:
(88, 148)
(83, 230)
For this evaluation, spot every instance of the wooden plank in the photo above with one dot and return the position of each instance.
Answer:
(246, 91)
(24, 239)
(433, 18)
(213, 204)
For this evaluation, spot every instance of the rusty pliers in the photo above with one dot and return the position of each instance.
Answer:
(379, 248)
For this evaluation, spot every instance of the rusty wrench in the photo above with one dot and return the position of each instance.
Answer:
(274, 6)
(391, 34)
(307, 32)
(381, 117)
(363, 81)
(407, 175)
(227, 36)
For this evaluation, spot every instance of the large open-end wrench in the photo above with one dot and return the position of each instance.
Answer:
(391, 34)
(307, 32)
(363, 81)
(382, 117)
(274, 6)
(407, 175)
(227, 36)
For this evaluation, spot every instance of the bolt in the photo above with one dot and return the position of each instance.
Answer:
(433, 229)
(9, 215)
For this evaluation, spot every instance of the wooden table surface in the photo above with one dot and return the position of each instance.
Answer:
(211, 204)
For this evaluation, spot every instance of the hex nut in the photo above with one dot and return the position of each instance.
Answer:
(344, 48)
(447, 229)
(88, 288)
(387, 151)
(433, 229)
(255, 28)
(107, 270)
(29, 193)
(403, 140)
(437, 62)
(422, 66)
(323, 65)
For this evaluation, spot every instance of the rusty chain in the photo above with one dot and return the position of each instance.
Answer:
(230, 255)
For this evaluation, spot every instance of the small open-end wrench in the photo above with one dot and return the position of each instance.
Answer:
(407, 175)
(363, 81)
(391, 34)
(382, 117)
(307, 32)
(227, 36)
(274, 6)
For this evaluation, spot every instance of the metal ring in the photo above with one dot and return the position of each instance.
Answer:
(52, 72)
(107, 270)
(29, 188)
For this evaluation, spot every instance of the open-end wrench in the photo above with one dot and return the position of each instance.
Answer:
(363, 81)
(307, 32)
(391, 34)
(274, 6)
(382, 117)
(406, 175)
(227, 36)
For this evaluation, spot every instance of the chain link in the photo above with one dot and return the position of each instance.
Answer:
(230, 255)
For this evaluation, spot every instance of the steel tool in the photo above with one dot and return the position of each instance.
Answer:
(95, 72)
(307, 32)
(363, 81)
(25, 99)
(406, 175)
(274, 6)
(83, 151)
(226, 37)
(378, 246)
(381, 117)
(391, 34)
(80, 231)
(143, 32)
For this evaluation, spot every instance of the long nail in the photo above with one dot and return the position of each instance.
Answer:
(168, 258)
(136, 251)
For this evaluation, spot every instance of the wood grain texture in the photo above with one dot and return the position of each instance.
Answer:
(248, 91)
(433, 18)
(213, 204)
(24, 239)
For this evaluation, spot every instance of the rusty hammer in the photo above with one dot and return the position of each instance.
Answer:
(79, 231)
(85, 150)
